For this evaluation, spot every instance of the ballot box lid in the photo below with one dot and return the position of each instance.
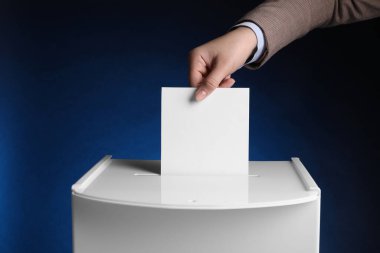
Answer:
(139, 183)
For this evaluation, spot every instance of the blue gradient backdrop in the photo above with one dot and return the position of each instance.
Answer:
(82, 79)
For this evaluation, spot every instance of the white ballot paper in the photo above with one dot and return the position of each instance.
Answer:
(210, 137)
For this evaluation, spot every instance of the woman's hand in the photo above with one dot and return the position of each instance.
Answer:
(212, 64)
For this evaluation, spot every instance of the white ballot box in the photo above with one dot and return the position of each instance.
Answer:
(127, 206)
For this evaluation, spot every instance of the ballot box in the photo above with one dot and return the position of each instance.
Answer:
(128, 206)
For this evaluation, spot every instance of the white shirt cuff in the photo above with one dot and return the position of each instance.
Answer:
(260, 39)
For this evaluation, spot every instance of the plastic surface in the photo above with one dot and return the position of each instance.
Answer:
(100, 227)
(127, 206)
(138, 183)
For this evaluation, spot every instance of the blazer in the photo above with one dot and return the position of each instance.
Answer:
(283, 21)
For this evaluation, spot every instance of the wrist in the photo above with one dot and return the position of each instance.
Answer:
(247, 40)
(260, 40)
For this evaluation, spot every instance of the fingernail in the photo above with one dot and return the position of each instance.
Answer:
(200, 94)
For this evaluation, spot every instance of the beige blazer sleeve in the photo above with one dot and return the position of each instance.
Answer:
(286, 20)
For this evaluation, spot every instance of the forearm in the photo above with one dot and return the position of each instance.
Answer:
(349, 11)
(284, 21)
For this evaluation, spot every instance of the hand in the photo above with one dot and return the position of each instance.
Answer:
(211, 64)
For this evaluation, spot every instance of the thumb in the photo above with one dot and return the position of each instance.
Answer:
(210, 83)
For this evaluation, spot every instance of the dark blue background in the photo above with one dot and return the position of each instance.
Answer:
(82, 79)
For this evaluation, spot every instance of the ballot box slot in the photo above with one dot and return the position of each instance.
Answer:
(145, 174)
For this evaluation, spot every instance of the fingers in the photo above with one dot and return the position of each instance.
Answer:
(197, 68)
(195, 78)
(204, 77)
(210, 83)
(227, 83)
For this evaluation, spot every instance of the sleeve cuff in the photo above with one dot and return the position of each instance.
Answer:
(260, 40)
